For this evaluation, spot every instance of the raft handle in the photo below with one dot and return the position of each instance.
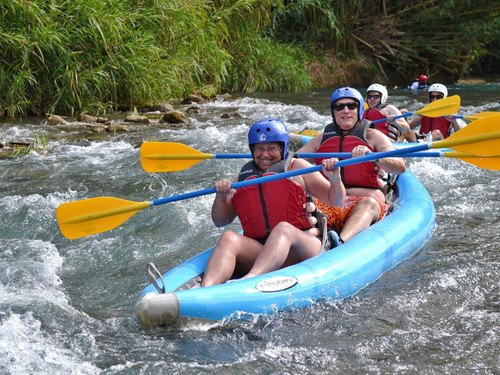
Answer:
(154, 275)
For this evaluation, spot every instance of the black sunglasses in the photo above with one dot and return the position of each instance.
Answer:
(351, 106)
(439, 96)
(374, 96)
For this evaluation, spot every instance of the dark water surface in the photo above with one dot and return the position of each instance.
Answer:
(67, 307)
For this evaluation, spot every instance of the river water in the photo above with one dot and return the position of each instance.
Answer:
(68, 307)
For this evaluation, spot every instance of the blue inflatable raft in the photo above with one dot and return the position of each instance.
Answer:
(336, 274)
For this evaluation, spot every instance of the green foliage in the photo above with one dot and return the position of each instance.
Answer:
(258, 63)
(446, 37)
(263, 65)
(486, 58)
(324, 23)
(440, 37)
(99, 55)
(70, 56)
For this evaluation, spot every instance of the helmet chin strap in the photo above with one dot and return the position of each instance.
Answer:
(288, 160)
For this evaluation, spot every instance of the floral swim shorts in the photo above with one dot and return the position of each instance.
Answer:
(337, 216)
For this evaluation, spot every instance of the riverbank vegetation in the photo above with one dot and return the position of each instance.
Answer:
(100, 56)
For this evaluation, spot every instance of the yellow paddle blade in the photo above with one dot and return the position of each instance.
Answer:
(480, 115)
(483, 161)
(95, 215)
(442, 107)
(480, 137)
(169, 156)
(308, 132)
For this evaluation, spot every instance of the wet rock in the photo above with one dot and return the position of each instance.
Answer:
(14, 148)
(89, 119)
(103, 120)
(164, 107)
(137, 119)
(97, 128)
(15, 144)
(117, 128)
(174, 117)
(193, 98)
(232, 115)
(56, 120)
(193, 109)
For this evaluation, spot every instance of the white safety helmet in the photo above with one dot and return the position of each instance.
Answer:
(379, 88)
(438, 87)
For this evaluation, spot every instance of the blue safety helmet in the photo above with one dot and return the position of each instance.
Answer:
(269, 130)
(348, 92)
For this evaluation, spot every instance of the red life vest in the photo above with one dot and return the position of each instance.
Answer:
(261, 207)
(357, 175)
(429, 124)
(389, 130)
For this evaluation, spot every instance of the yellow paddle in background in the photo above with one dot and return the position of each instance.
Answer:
(173, 156)
(438, 108)
(491, 162)
(155, 157)
(178, 156)
(312, 132)
(96, 215)
(479, 115)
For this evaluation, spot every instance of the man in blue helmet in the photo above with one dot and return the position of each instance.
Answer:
(365, 201)
(274, 216)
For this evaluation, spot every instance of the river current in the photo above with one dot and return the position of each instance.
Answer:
(68, 306)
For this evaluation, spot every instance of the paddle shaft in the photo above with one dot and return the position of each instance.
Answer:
(298, 172)
(155, 158)
(409, 114)
(196, 156)
(478, 142)
(303, 155)
(406, 114)
(343, 163)
(438, 108)
(317, 155)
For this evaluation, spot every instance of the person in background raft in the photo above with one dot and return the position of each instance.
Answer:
(274, 215)
(439, 127)
(419, 83)
(378, 109)
(365, 202)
